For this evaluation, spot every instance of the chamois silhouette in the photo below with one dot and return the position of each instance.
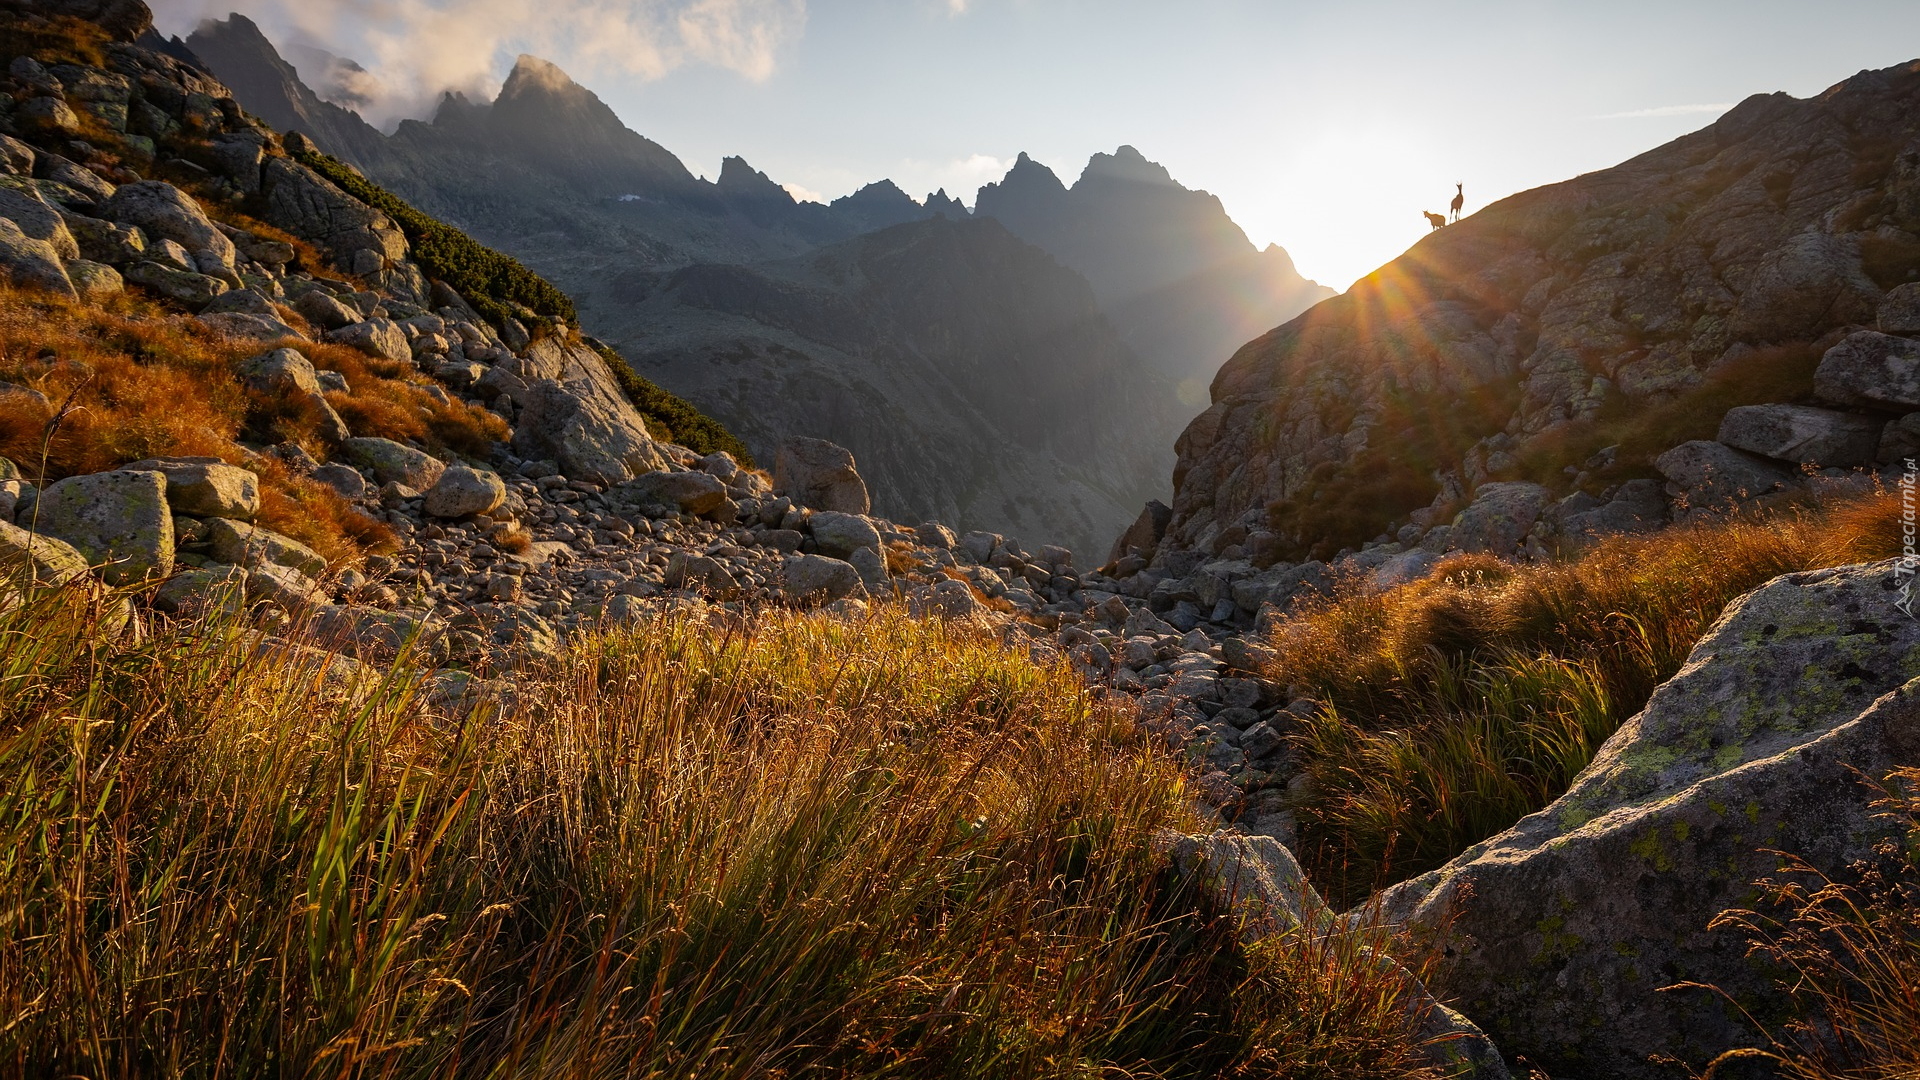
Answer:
(1459, 199)
(1434, 219)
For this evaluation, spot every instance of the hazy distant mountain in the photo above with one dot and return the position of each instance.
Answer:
(981, 379)
(972, 375)
(1181, 280)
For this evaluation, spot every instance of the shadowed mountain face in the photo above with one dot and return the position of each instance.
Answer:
(1180, 280)
(1570, 334)
(1021, 379)
(1024, 408)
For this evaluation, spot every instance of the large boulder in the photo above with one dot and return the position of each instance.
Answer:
(462, 490)
(819, 474)
(1802, 434)
(28, 557)
(289, 375)
(1144, 534)
(30, 263)
(391, 462)
(1638, 506)
(667, 491)
(1871, 369)
(818, 579)
(207, 487)
(184, 287)
(375, 337)
(119, 521)
(240, 544)
(161, 210)
(572, 411)
(105, 241)
(324, 310)
(1900, 311)
(1499, 518)
(1561, 931)
(1709, 477)
(305, 204)
(26, 207)
(840, 535)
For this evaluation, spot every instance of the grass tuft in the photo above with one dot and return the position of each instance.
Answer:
(1456, 705)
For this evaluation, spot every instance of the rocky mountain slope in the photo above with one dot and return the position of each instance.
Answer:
(1570, 339)
(548, 173)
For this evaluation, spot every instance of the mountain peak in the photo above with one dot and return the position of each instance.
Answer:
(531, 75)
(1128, 165)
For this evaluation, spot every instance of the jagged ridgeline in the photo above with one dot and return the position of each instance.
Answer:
(500, 288)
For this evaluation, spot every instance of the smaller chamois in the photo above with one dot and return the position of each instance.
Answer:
(1434, 219)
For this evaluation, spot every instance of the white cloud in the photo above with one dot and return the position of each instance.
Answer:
(977, 166)
(801, 194)
(416, 49)
(957, 7)
(1665, 110)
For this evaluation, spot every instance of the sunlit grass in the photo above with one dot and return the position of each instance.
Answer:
(819, 848)
(1459, 704)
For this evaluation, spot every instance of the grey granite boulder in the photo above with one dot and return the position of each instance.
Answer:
(392, 462)
(165, 212)
(30, 263)
(241, 544)
(1561, 931)
(106, 241)
(23, 205)
(667, 491)
(572, 411)
(207, 487)
(1802, 434)
(324, 310)
(1499, 518)
(462, 491)
(118, 520)
(1900, 311)
(819, 474)
(1872, 369)
(817, 579)
(1710, 477)
(94, 281)
(840, 535)
(375, 337)
(191, 290)
(29, 557)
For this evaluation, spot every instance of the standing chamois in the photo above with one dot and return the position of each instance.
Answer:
(1459, 199)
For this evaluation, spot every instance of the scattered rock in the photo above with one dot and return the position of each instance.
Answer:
(1871, 369)
(30, 263)
(161, 210)
(207, 487)
(253, 547)
(840, 535)
(818, 579)
(1709, 477)
(376, 337)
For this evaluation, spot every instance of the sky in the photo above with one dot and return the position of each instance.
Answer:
(1326, 128)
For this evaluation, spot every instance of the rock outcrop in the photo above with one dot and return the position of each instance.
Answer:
(1517, 342)
(1561, 931)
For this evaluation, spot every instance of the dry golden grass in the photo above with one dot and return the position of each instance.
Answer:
(140, 381)
(883, 849)
(1460, 703)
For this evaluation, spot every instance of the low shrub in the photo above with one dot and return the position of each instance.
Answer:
(1458, 704)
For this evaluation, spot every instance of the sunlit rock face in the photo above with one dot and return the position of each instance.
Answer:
(1512, 345)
